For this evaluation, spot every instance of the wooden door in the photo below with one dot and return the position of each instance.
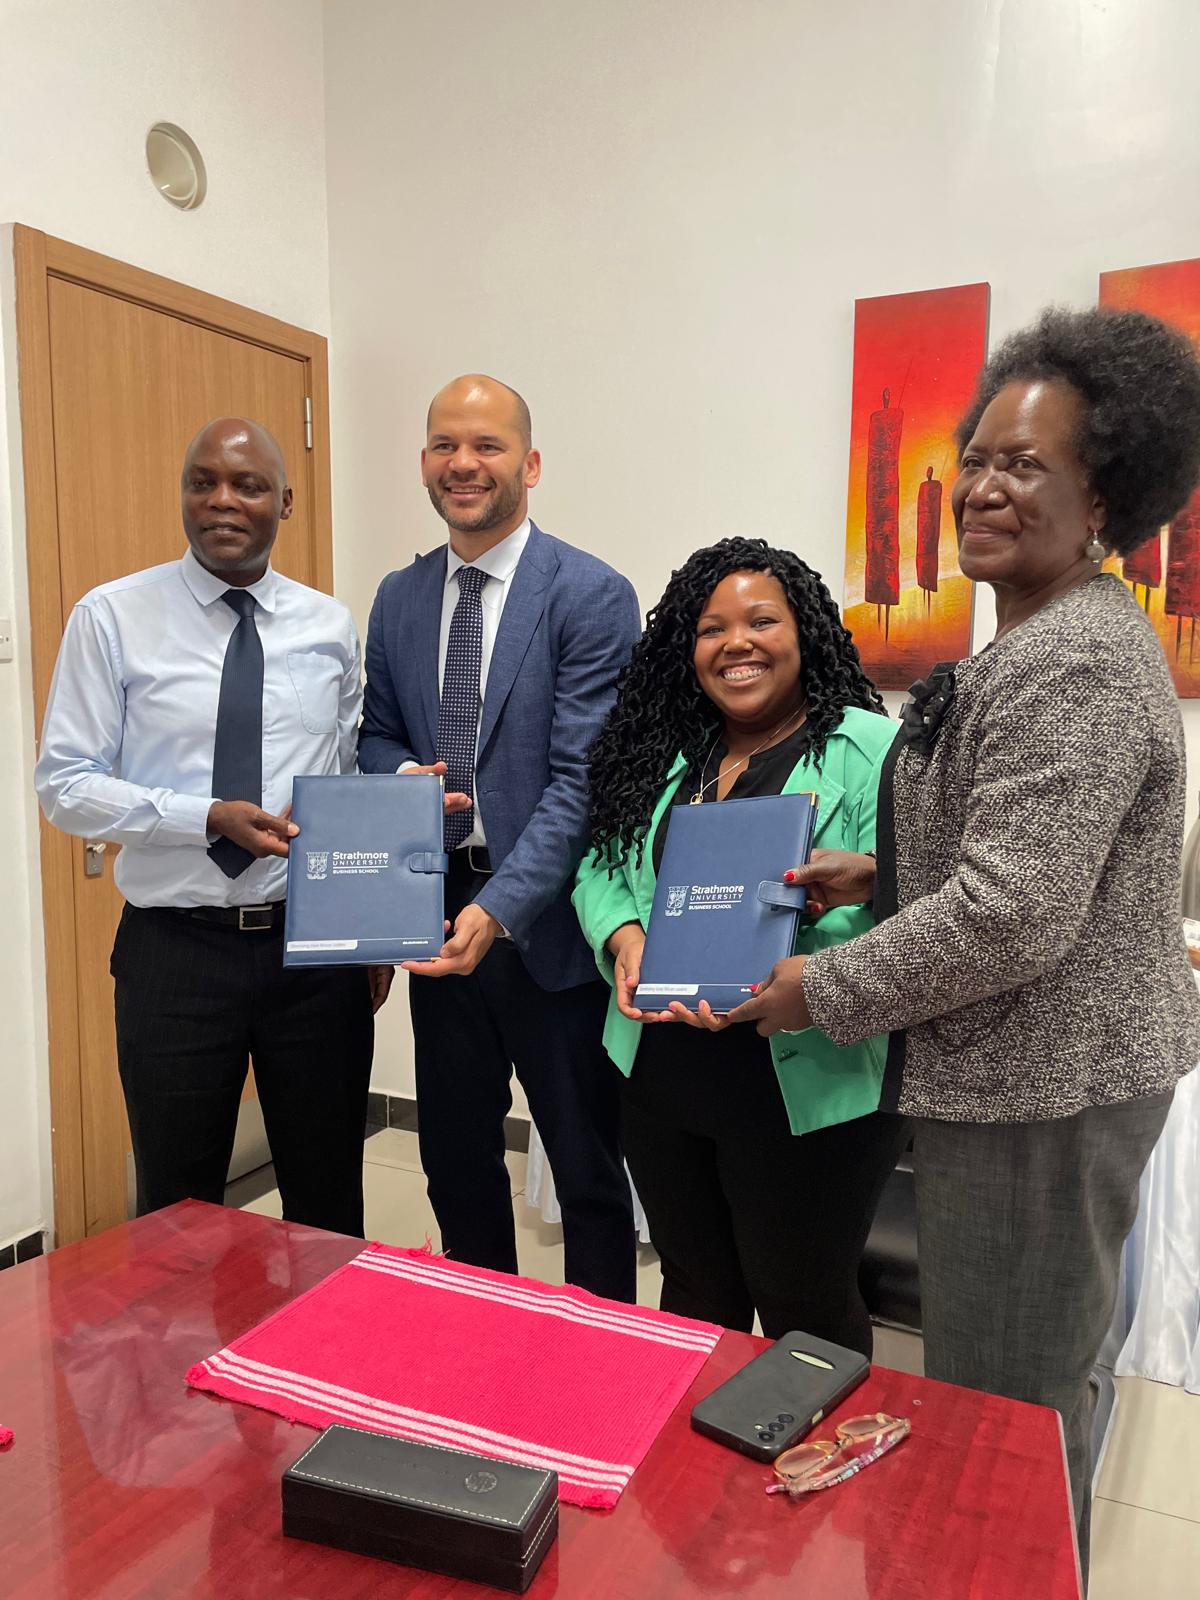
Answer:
(131, 376)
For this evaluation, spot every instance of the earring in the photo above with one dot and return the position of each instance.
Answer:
(1094, 550)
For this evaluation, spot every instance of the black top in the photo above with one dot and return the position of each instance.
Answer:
(765, 773)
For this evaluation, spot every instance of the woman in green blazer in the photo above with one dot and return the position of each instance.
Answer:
(759, 1165)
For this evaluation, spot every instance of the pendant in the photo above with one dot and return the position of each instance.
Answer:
(697, 799)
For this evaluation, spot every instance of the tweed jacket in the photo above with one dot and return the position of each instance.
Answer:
(1036, 962)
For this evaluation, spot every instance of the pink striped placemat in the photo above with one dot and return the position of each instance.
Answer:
(405, 1342)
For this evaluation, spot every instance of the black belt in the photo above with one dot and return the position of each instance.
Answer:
(242, 919)
(471, 858)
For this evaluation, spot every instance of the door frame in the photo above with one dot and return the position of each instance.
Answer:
(38, 258)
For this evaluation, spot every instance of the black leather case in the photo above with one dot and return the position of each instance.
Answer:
(444, 1510)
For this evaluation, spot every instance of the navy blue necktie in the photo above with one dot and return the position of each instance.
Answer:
(458, 711)
(237, 748)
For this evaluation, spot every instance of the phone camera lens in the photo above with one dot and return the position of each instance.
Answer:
(767, 1438)
(786, 1416)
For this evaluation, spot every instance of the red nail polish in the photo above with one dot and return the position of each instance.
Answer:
(788, 877)
(753, 988)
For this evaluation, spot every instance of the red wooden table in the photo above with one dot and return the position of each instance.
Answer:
(122, 1482)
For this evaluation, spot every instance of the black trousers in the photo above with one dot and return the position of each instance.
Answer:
(745, 1215)
(193, 1002)
(470, 1033)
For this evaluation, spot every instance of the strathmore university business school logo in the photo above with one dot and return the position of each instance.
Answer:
(320, 864)
(677, 894)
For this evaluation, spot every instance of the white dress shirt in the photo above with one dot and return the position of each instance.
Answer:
(500, 562)
(127, 743)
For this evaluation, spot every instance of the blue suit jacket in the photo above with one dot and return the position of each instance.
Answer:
(568, 626)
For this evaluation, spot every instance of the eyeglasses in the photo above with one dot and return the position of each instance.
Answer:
(820, 1463)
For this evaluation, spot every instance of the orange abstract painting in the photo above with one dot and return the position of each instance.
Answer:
(916, 360)
(1164, 573)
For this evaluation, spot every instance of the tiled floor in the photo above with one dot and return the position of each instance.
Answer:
(1146, 1522)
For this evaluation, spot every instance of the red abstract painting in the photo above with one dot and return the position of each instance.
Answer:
(1168, 586)
(916, 359)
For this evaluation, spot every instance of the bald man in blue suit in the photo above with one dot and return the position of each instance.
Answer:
(494, 661)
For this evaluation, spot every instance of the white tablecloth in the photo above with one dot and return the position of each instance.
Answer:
(539, 1188)
(1156, 1329)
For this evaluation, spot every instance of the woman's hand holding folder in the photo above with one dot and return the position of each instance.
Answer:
(778, 1004)
(704, 1017)
(832, 878)
(625, 946)
(835, 878)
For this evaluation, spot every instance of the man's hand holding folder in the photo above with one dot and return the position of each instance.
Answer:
(474, 929)
(437, 769)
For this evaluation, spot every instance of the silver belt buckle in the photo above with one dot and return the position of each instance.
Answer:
(471, 849)
(255, 919)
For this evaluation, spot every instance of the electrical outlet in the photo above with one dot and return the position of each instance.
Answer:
(6, 639)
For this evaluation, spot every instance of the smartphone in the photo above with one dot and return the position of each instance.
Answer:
(779, 1396)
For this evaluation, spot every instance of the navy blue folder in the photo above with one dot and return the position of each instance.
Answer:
(366, 871)
(722, 915)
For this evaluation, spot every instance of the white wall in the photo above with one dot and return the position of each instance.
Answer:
(82, 82)
(654, 218)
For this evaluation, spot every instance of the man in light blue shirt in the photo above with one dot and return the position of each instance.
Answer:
(185, 700)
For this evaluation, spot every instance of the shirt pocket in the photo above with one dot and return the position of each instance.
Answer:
(316, 677)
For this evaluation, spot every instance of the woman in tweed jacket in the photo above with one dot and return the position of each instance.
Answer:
(1030, 962)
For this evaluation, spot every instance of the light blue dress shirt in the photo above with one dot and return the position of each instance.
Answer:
(127, 742)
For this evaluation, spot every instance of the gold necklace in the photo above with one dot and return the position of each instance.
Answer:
(698, 797)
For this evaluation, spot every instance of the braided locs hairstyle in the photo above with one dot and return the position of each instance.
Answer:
(661, 709)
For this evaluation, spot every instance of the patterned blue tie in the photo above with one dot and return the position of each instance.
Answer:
(237, 746)
(458, 712)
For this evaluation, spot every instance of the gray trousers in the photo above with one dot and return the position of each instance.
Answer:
(1019, 1235)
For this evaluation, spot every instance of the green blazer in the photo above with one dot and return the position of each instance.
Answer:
(822, 1083)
